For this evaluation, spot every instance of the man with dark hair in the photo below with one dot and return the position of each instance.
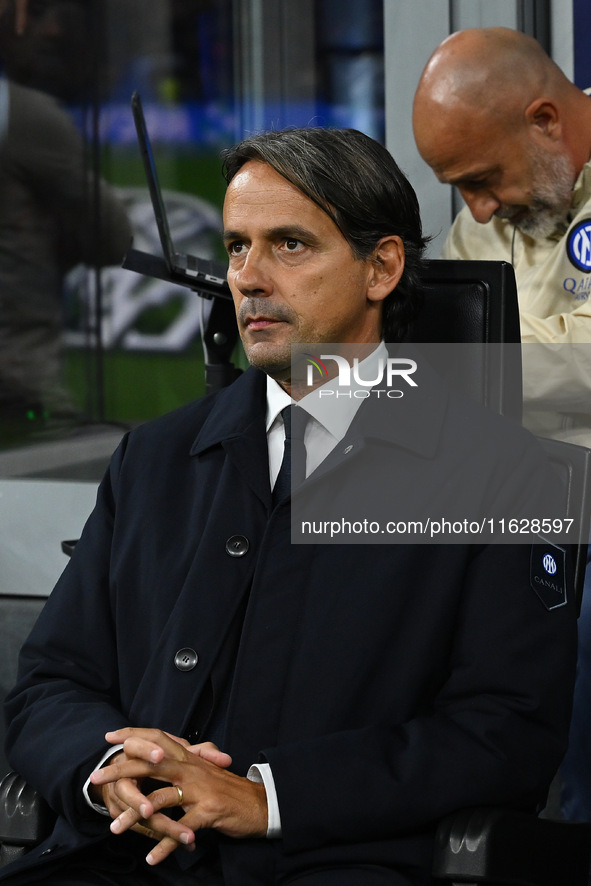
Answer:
(386, 199)
(313, 708)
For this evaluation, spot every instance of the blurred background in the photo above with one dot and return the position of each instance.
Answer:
(88, 349)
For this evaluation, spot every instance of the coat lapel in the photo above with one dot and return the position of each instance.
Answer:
(237, 423)
(233, 463)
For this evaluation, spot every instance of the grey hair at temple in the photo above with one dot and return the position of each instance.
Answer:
(358, 184)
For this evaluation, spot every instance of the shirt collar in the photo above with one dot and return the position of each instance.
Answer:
(277, 399)
(335, 413)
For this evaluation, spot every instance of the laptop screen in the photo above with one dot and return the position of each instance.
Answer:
(153, 184)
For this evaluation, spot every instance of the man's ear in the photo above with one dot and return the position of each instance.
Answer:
(387, 267)
(543, 115)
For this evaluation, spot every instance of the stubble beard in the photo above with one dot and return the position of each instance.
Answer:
(551, 198)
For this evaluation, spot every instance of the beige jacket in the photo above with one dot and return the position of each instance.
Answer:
(554, 285)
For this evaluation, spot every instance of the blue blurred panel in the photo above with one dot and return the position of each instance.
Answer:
(582, 42)
(194, 124)
(213, 126)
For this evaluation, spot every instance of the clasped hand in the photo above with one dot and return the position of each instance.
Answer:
(212, 796)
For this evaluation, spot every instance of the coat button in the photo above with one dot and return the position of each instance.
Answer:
(237, 546)
(186, 659)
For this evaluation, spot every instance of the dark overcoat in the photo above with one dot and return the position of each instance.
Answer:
(386, 684)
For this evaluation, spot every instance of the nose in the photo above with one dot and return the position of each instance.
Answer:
(482, 205)
(251, 276)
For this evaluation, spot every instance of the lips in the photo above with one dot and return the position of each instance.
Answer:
(255, 323)
(257, 314)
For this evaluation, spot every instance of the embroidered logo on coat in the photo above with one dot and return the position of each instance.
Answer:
(548, 574)
(578, 245)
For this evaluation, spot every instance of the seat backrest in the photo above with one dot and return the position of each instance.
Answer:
(573, 464)
(17, 617)
(469, 330)
(470, 315)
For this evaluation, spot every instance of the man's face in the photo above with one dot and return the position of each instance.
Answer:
(511, 176)
(292, 274)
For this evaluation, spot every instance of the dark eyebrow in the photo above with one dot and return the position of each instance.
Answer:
(232, 235)
(283, 232)
(293, 232)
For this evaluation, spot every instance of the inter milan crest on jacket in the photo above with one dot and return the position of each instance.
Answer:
(548, 574)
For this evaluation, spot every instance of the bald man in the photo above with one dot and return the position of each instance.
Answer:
(495, 116)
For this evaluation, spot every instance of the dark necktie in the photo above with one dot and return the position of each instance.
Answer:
(293, 467)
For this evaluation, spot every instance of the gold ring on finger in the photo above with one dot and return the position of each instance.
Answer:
(180, 793)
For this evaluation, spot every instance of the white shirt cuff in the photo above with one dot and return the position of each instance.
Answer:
(261, 773)
(85, 790)
(258, 772)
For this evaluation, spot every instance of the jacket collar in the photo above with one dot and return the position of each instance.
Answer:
(239, 410)
(237, 424)
(413, 422)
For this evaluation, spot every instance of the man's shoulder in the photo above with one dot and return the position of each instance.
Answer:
(180, 426)
(34, 111)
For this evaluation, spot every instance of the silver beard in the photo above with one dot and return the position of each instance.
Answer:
(551, 199)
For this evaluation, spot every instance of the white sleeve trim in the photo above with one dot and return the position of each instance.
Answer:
(261, 773)
(85, 790)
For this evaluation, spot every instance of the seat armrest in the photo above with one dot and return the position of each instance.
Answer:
(488, 845)
(25, 818)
